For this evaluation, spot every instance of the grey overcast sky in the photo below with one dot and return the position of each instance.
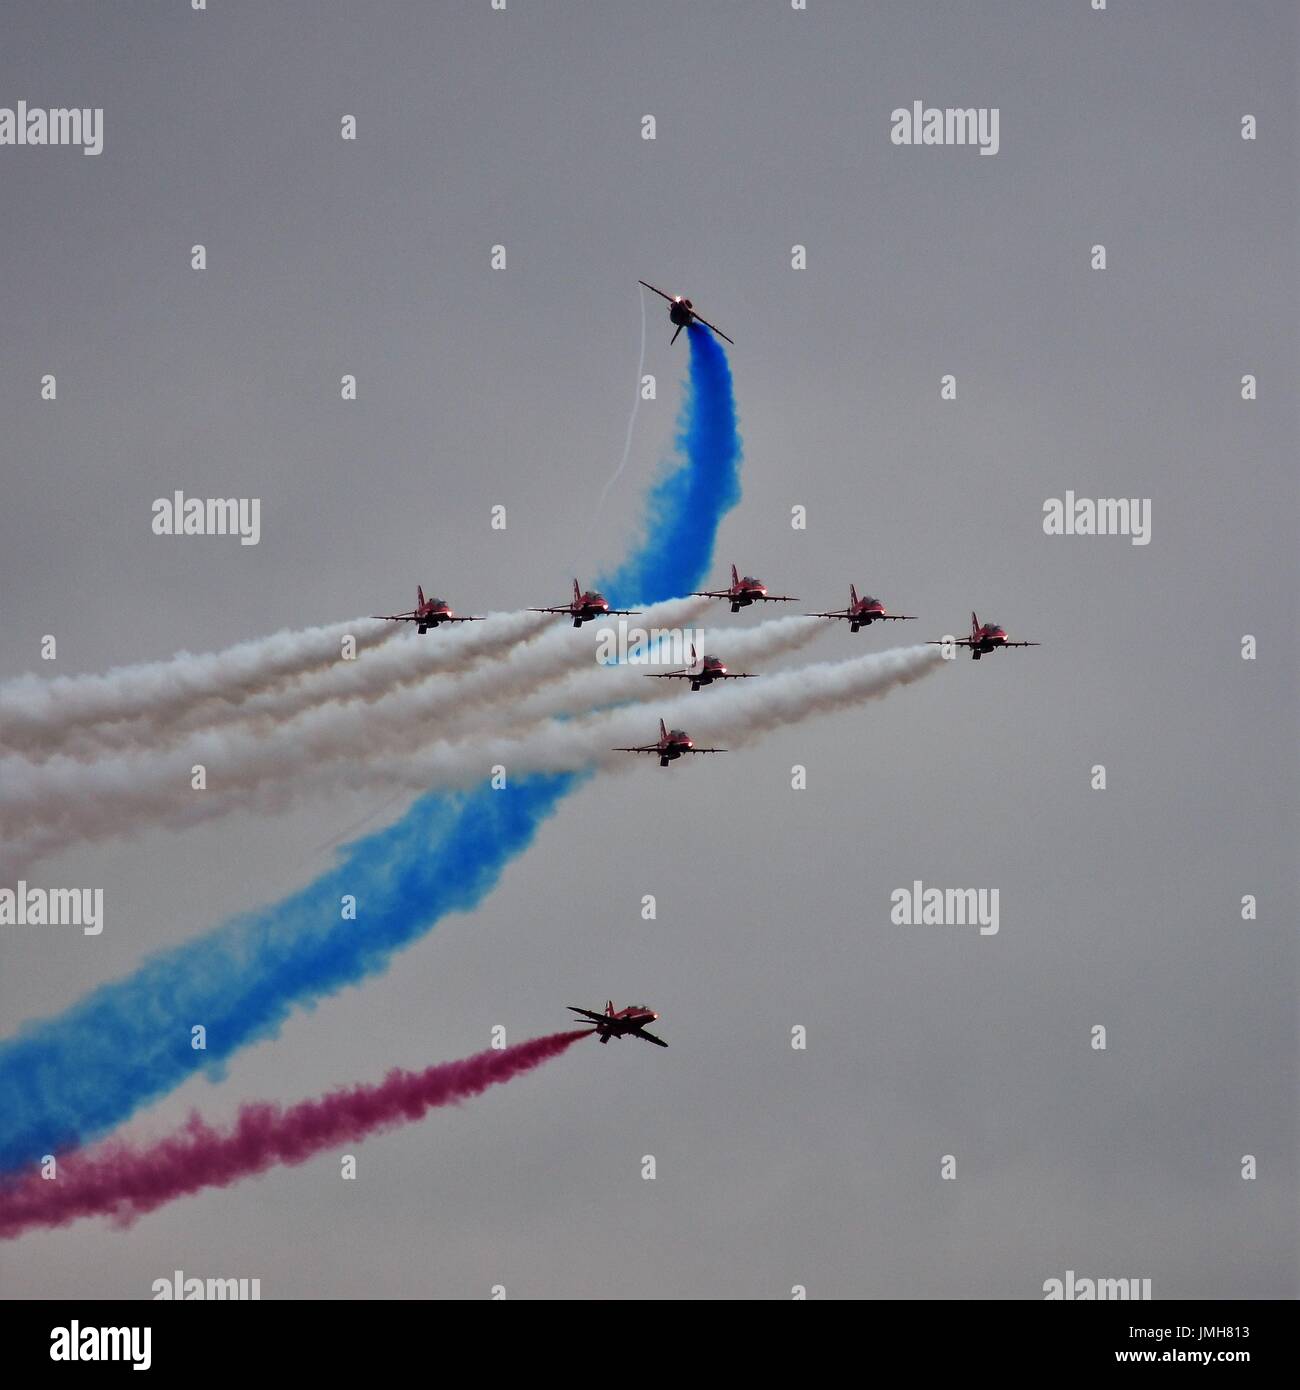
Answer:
(1120, 907)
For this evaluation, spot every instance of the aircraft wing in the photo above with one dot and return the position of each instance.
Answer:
(459, 619)
(701, 750)
(775, 598)
(649, 1037)
(869, 618)
(712, 593)
(586, 1013)
(568, 608)
(396, 617)
(720, 334)
(735, 676)
(660, 293)
(643, 748)
(956, 642)
(1020, 644)
(669, 675)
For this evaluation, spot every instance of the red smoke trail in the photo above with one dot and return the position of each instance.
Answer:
(122, 1182)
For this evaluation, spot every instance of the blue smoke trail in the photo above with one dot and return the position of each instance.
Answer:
(673, 558)
(67, 1080)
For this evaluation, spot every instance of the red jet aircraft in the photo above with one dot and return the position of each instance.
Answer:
(745, 591)
(702, 672)
(428, 612)
(682, 312)
(586, 606)
(862, 612)
(629, 1022)
(984, 638)
(673, 743)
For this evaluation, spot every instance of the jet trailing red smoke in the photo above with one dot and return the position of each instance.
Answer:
(124, 1182)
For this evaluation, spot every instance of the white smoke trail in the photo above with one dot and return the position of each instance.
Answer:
(191, 707)
(586, 690)
(592, 688)
(410, 659)
(38, 714)
(161, 704)
(84, 800)
(735, 716)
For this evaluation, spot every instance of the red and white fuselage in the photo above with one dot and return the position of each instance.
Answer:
(862, 612)
(742, 592)
(427, 613)
(586, 606)
(985, 638)
(672, 744)
(703, 671)
(621, 1023)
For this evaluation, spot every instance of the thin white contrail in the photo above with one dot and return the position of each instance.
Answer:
(191, 707)
(631, 421)
(38, 714)
(733, 716)
(88, 800)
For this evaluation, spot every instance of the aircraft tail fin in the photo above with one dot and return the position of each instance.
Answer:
(974, 623)
(609, 1007)
(853, 595)
(419, 594)
(735, 577)
(673, 339)
(577, 593)
(663, 729)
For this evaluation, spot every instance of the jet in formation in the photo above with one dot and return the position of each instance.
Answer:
(743, 592)
(585, 607)
(428, 612)
(862, 612)
(673, 744)
(626, 1023)
(984, 638)
(682, 312)
(702, 671)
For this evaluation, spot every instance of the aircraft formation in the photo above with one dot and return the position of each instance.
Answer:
(742, 592)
